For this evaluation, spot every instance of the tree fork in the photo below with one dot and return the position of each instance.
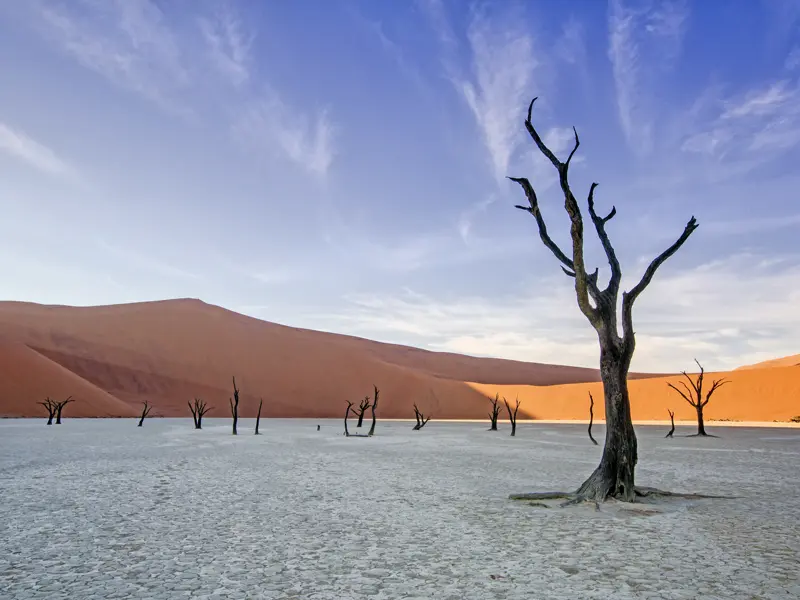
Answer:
(145, 411)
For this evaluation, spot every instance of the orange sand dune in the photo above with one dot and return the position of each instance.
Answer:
(766, 394)
(28, 377)
(172, 351)
(786, 361)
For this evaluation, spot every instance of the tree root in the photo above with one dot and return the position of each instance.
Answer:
(573, 498)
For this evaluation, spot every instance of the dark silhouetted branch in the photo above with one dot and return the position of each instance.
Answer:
(591, 418)
(234, 406)
(258, 417)
(145, 411)
(512, 416)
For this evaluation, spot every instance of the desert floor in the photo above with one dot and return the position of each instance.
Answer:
(102, 509)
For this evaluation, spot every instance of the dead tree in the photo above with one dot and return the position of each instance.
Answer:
(362, 408)
(591, 418)
(199, 409)
(672, 420)
(694, 396)
(495, 412)
(421, 420)
(258, 417)
(235, 405)
(60, 406)
(145, 411)
(373, 406)
(614, 476)
(347, 414)
(51, 406)
(512, 416)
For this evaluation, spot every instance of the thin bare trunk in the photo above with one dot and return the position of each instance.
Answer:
(258, 417)
(494, 412)
(198, 409)
(60, 406)
(373, 406)
(672, 421)
(234, 406)
(512, 416)
(591, 418)
(347, 414)
(51, 407)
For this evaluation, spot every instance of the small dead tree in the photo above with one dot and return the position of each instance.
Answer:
(362, 408)
(235, 405)
(346, 415)
(694, 396)
(672, 421)
(258, 417)
(512, 416)
(145, 411)
(591, 418)
(494, 412)
(51, 406)
(614, 476)
(199, 409)
(421, 420)
(60, 406)
(373, 406)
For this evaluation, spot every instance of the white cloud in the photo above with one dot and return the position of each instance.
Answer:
(127, 42)
(271, 125)
(651, 33)
(504, 68)
(571, 47)
(467, 218)
(15, 143)
(228, 45)
(707, 312)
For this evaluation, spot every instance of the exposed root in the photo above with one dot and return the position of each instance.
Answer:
(702, 435)
(573, 498)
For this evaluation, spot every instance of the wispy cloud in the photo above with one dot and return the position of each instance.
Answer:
(18, 145)
(703, 312)
(643, 40)
(571, 46)
(128, 43)
(752, 225)
(467, 218)
(503, 67)
(751, 128)
(270, 125)
(228, 44)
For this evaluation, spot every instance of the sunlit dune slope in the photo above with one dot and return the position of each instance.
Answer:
(786, 361)
(765, 394)
(169, 352)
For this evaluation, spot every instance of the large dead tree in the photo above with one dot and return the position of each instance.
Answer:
(421, 420)
(51, 406)
(199, 409)
(235, 405)
(362, 408)
(258, 417)
(146, 408)
(672, 421)
(512, 416)
(60, 406)
(494, 412)
(614, 476)
(694, 396)
(591, 418)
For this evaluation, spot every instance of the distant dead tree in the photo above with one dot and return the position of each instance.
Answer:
(60, 406)
(362, 408)
(258, 417)
(694, 396)
(346, 415)
(374, 406)
(199, 409)
(495, 412)
(51, 406)
(145, 411)
(512, 416)
(614, 476)
(421, 420)
(591, 418)
(235, 405)
(672, 420)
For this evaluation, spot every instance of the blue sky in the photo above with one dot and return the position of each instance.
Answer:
(340, 165)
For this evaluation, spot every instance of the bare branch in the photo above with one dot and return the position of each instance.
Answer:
(628, 298)
(684, 396)
(714, 387)
(600, 227)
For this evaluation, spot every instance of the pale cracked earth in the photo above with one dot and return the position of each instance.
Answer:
(102, 509)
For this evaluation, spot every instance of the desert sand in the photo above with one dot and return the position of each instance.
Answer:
(111, 358)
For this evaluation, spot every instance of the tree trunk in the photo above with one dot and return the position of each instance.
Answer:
(360, 419)
(50, 419)
(58, 416)
(614, 476)
(513, 428)
(258, 418)
(701, 427)
(141, 420)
